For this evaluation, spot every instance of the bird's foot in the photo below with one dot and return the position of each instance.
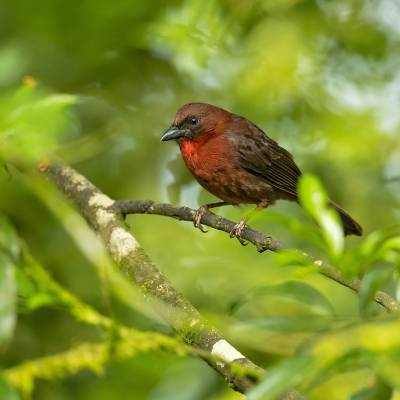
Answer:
(237, 232)
(197, 216)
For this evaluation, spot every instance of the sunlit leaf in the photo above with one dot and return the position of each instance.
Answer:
(312, 195)
(315, 200)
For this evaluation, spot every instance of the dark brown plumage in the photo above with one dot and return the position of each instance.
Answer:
(236, 161)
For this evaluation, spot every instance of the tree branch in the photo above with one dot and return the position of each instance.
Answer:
(261, 240)
(107, 220)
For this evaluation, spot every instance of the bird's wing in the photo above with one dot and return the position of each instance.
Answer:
(262, 156)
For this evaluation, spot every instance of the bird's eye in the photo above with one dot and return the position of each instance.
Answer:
(194, 121)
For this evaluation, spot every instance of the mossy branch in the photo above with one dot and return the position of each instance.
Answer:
(99, 211)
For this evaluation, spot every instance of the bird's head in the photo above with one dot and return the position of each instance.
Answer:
(194, 120)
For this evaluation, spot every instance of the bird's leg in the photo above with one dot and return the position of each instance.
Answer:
(238, 228)
(198, 215)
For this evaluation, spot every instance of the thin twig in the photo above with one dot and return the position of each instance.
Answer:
(261, 240)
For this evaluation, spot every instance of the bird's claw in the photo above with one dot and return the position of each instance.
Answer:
(197, 216)
(237, 232)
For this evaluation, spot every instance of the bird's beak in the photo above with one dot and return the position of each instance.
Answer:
(173, 133)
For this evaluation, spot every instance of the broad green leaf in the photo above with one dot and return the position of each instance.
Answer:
(7, 299)
(315, 201)
(281, 378)
(299, 292)
(371, 283)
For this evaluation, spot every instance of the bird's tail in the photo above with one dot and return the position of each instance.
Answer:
(350, 226)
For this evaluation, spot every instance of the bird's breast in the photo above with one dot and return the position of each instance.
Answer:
(203, 159)
(215, 166)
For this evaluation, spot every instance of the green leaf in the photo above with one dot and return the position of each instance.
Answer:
(312, 195)
(332, 230)
(371, 283)
(6, 391)
(315, 201)
(285, 376)
(299, 292)
(7, 299)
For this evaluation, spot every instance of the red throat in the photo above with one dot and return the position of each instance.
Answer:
(190, 148)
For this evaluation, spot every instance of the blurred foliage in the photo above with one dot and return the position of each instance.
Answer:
(9, 249)
(32, 122)
(97, 83)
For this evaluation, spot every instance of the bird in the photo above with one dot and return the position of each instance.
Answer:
(237, 162)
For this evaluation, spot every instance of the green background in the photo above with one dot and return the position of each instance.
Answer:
(320, 77)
